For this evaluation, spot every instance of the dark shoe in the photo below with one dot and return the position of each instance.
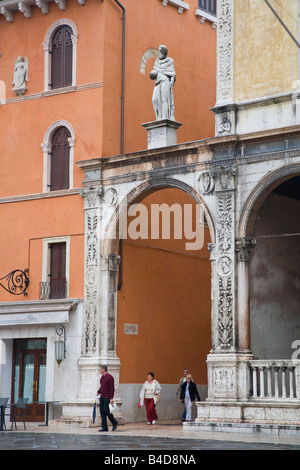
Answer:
(115, 426)
(103, 430)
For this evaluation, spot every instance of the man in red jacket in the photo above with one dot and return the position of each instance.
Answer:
(106, 391)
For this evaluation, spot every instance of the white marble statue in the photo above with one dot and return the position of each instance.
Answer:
(164, 75)
(20, 76)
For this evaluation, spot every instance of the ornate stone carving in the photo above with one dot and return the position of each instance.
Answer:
(91, 195)
(224, 177)
(20, 76)
(224, 126)
(110, 262)
(225, 320)
(224, 265)
(225, 51)
(92, 255)
(206, 182)
(225, 226)
(110, 197)
(223, 380)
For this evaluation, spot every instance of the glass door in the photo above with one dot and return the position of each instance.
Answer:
(29, 376)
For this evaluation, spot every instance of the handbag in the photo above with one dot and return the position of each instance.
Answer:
(157, 398)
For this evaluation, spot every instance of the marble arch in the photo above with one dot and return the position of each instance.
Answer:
(264, 187)
(139, 193)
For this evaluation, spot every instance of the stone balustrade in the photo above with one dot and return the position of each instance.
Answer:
(274, 379)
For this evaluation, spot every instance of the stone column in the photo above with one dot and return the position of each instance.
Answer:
(224, 265)
(243, 247)
(100, 306)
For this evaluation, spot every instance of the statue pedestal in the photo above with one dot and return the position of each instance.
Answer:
(161, 133)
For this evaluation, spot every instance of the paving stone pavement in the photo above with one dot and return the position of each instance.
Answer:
(118, 442)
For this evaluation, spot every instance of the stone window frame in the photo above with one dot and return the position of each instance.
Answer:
(47, 258)
(47, 44)
(204, 15)
(46, 147)
(179, 4)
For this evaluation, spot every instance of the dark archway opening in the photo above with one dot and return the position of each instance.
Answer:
(275, 273)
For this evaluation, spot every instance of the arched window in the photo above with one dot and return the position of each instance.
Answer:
(60, 47)
(58, 155)
(62, 57)
(60, 159)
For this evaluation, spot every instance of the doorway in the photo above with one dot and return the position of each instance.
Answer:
(29, 376)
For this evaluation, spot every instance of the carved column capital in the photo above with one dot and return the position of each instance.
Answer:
(110, 263)
(243, 247)
(212, 250)
(224, 176)
(92, 196)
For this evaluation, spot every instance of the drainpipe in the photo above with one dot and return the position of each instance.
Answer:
(123, 72)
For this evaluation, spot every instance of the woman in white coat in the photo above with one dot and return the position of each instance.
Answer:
(149, 395)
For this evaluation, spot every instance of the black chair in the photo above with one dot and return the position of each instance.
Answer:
(19, 405)
(3, 403)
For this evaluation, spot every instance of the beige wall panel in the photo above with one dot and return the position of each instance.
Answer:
(265, 57)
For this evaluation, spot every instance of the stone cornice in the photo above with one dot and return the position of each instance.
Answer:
(254, 103)
(56, 91)
(136, 166)
(35, 306)
(35, 196)
(144, 156)
(9, 7)
(267, 135)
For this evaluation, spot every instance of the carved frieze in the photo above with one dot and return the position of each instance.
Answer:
(225, 51)
(225, 223)
(224, 190)
(223, 380)
(225, 308)
(92, 255)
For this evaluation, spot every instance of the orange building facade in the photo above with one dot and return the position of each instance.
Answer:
(75, 88)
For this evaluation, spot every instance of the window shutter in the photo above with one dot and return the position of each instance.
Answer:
(209, 6)
(68, 57)
(60, 159)
(66, 168)
(55, 170)
(62, 57)
(58, 262)
(58, 271)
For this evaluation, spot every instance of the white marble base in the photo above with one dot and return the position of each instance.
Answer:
(266, 412)
(245, 428)
(161, 133)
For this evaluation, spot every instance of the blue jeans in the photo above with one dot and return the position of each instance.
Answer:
(184, 412)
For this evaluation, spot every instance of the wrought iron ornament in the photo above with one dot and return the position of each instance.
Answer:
(16, 282)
